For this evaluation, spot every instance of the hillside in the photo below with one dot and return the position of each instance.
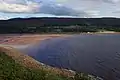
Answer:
(47, 21)
(45, 25)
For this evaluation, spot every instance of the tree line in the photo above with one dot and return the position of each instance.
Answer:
(47, 25)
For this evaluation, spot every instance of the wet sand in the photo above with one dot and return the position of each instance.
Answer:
(24, 39)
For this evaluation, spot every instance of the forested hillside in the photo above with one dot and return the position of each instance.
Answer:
(39, 25)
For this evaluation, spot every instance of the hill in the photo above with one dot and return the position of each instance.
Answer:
(48, 21)
(45, 24)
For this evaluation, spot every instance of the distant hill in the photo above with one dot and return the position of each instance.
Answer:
(60, 21)
(23, 24)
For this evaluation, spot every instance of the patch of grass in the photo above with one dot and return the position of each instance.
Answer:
(9, 70)
(82, 76)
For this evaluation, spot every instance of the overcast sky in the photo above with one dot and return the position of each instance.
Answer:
(59, 8)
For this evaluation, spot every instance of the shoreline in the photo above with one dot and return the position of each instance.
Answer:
(26, 39)
(31, 63)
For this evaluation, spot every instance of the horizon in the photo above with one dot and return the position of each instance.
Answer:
(59, 8)
(58, 18)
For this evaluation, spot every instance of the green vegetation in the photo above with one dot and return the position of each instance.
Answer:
(59, 25)
(58, 29)
(10, 70)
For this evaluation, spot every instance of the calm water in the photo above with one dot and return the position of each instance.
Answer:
(97, 54)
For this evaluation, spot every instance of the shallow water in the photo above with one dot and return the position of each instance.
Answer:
(97, 54)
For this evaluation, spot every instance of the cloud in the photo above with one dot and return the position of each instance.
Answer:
(44, 7)
(4, 17)
(58, 9)
(116, 12)
(76, 8)
(112, 1)
(13, 6)
(94, 13)
(14, 1)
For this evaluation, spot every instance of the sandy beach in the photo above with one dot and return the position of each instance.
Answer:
(18, 39)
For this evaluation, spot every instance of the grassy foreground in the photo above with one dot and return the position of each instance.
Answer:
(10, 70)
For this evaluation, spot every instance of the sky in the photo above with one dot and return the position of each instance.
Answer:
(59, 8)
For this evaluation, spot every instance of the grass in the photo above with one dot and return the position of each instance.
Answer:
(9, 70)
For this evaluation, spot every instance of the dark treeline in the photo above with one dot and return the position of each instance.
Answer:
(41, 25)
